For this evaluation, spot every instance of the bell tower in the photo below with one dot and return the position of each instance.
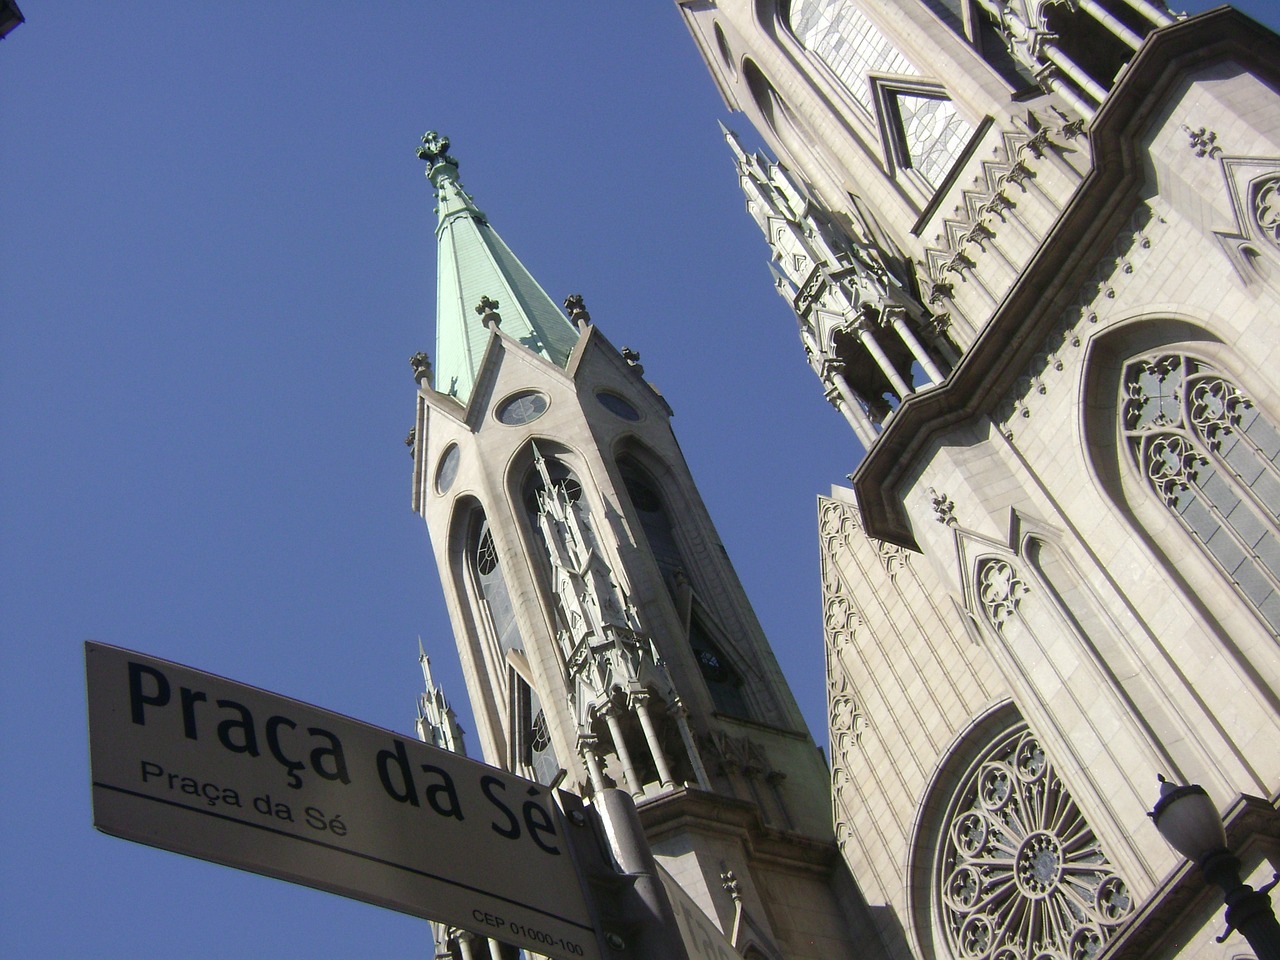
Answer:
(605, 638)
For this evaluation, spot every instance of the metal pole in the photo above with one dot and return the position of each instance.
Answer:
(653, 933)
(1248, 910)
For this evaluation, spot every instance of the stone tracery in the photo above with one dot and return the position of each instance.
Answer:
(1021, 875)
(1210, 455)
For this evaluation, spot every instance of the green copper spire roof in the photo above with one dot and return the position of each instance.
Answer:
(474, 264)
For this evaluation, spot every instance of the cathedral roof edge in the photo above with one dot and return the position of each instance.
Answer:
(1100, 206)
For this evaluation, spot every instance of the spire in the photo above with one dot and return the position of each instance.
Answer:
(473, 264)
(863, 333)
(437, 723)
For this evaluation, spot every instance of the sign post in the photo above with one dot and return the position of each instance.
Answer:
(222, 771)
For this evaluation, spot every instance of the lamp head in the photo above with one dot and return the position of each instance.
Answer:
(1188, 820)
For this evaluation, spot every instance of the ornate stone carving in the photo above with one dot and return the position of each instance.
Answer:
(421, 364)
(841, 621)
(435, 151)
(633, 359)
(1035, 145)
(844, 715)
(488, 311)
(1266, 208)
(943, 507)
(577, 309)
(1018, 174)
(1020, 874)
(1000, 590)
(892, 556)
(612, 663)
(729, 883)
(1203, 141)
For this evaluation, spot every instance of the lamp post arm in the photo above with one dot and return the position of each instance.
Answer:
(1248, 910)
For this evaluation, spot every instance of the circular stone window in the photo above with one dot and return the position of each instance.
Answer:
(616, 405)
(1021, 875)
(447, 471)
(523, 407)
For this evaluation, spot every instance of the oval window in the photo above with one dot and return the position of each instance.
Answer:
(523, 407)
(447, 471)
(616, 405)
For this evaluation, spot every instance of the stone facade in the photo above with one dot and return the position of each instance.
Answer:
(1057, 574)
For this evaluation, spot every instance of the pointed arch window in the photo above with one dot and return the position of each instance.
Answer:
(655, 523)
(1211, 456)
(851, 46)
(492, 588)
(533, 744)
(724, 681)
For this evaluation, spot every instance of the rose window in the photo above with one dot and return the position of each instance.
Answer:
(1022, 876)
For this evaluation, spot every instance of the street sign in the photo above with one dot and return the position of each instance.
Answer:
(212, 768)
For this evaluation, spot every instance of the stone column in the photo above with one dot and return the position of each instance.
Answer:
(655, 745)
(1068, 66)
(624, 755)
(1048, 79)
(465, 946)
(1108, 20)
(1153, 13)
(853, 411)
(588, 752)
(897, 320)
(881, 358)
(691, 747)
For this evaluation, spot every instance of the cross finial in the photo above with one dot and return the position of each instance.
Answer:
(488, 310)
(435, 150)
(577, 310)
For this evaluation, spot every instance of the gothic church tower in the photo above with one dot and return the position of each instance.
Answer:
(605, 638)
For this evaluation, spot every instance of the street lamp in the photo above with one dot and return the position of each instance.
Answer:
(1189, 822)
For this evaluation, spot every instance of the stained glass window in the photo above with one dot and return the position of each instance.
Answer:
(524, 407)
(493, 590)
(846, 41)
(1205, 449)
(933, 134)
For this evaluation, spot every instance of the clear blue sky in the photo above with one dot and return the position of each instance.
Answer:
(216, 256)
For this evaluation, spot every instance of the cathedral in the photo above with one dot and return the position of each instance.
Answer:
(1033, 252)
